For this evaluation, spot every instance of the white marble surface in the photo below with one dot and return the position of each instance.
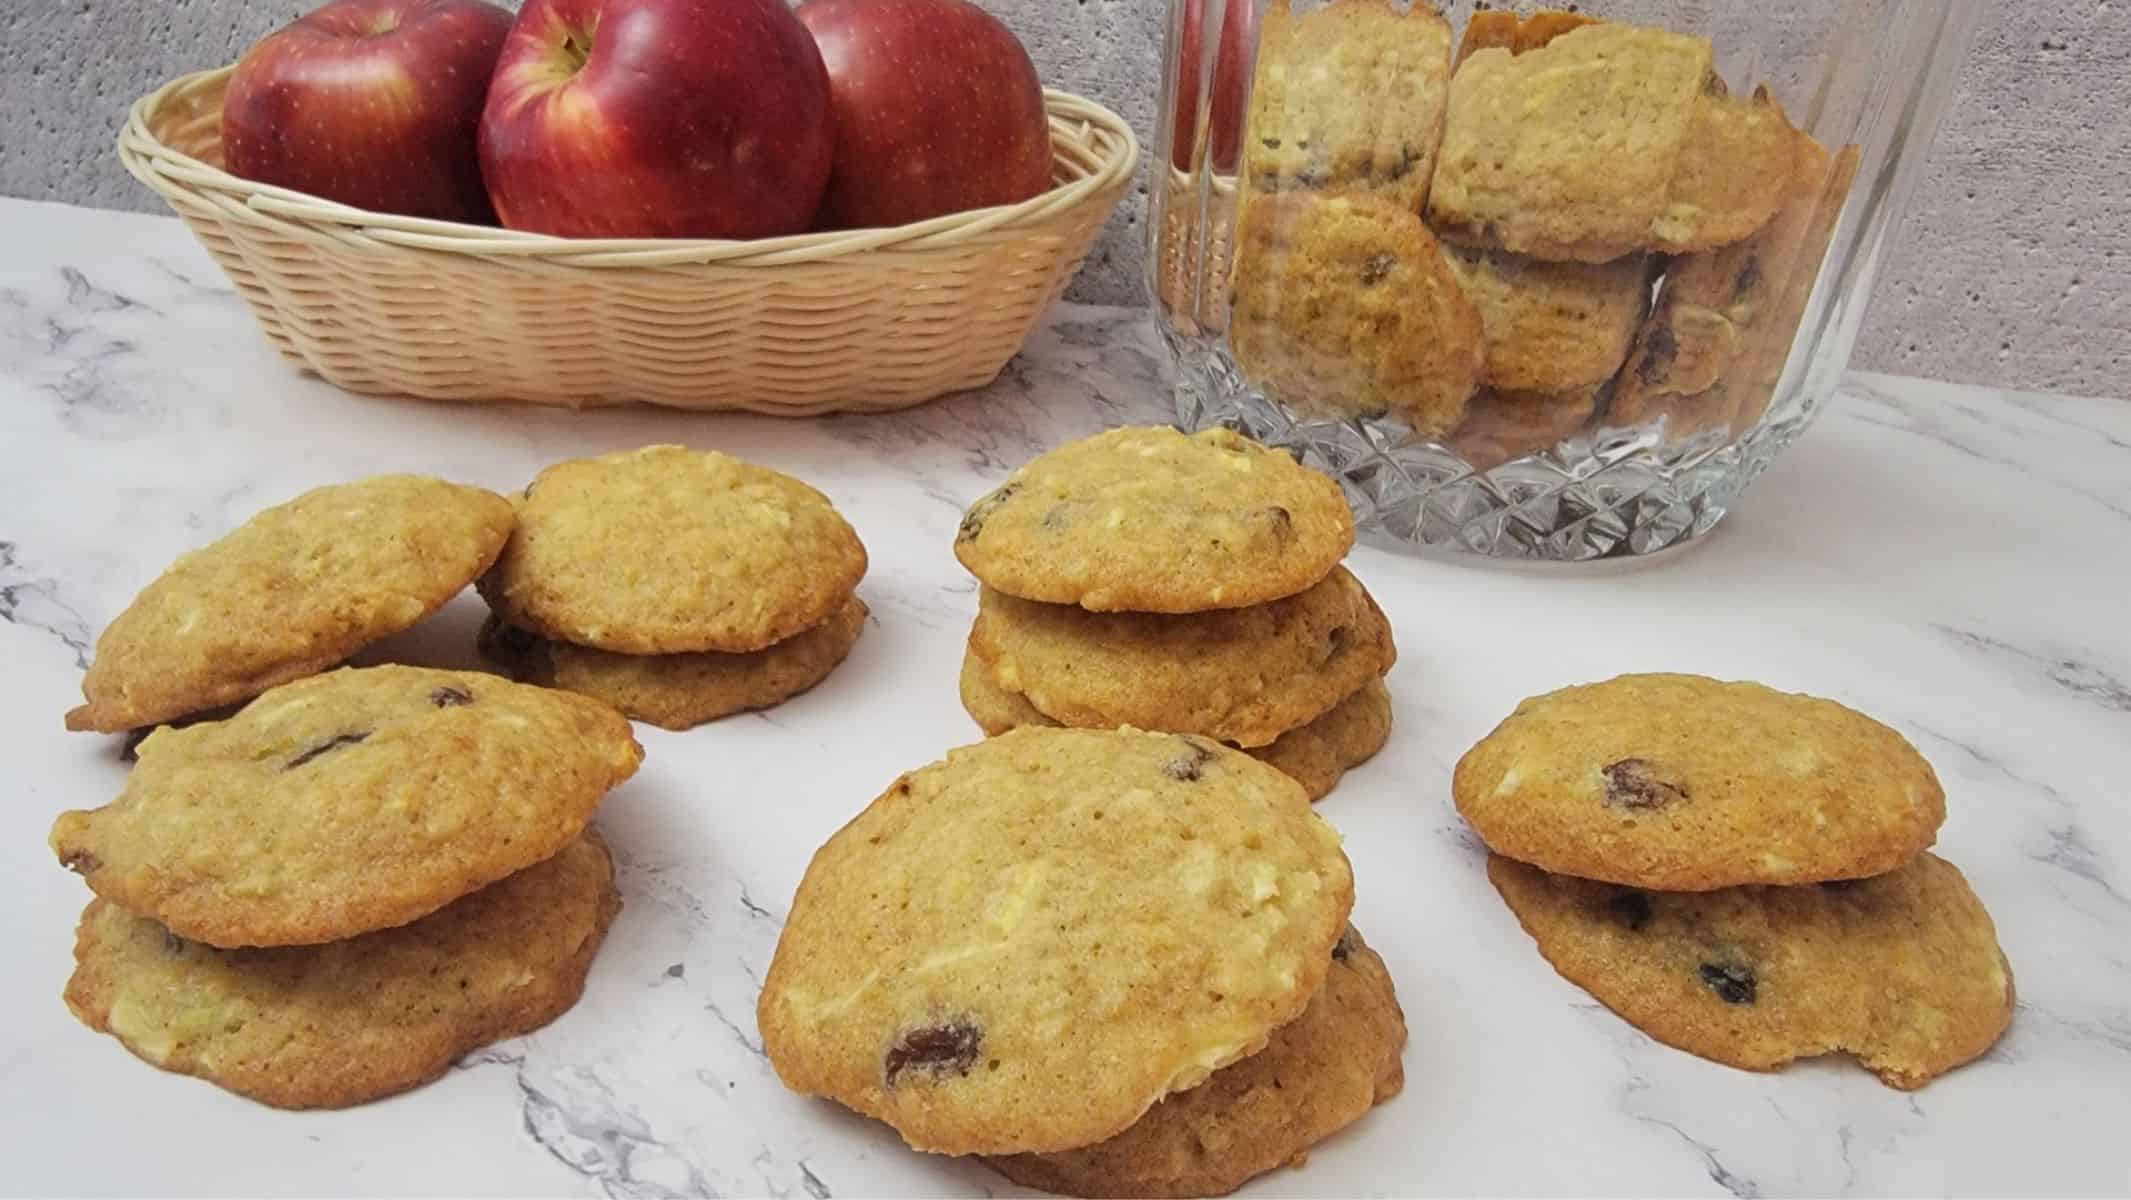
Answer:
(1952, 560)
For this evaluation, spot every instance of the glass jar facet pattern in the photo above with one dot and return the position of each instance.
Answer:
(1532, 285)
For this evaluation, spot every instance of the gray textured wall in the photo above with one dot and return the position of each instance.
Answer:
(2014, 267)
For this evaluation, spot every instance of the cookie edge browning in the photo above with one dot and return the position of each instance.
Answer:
(321, 1090)
(1586, 860)
(1500, 868)
(178, 911)
(102, 716)
(1058, 1173)
(788, 1065)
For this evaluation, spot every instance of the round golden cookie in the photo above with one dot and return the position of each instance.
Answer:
(1682, 783)
(667, 550)
(292, 591)
(351, 801)
(1320, 1073)
(348, 1022)
(1347, 306)
(1021, 948)
(1315, 755)
(680, 691)
(1243, 675)
(1902, 970)
(1152, 520)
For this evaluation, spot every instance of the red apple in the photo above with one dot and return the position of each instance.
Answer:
(373, 103)
(938, 110)
(658, 118)
(1231, 82)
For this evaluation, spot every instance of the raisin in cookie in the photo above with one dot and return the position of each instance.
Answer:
(289, 593)
(1681, 783)
(345, 1023)
(680, 691)
(1152, 520)
(1315, 755)
(1902, 970)
(1346, 306)
(1568, 151)
(1320, 1073)
(347, 802)
(667, 550)
(1242, 675)
(1552, 327)
(1349, 96)
(1022, 948)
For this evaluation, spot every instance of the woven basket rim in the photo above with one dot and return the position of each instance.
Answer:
(1090, 136)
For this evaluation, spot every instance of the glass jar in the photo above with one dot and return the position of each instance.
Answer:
(1533, 284)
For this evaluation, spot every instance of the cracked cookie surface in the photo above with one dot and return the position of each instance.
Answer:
(666, 550)
(1683, 783)
(1242, 675)
(1023, 947)
(345, 1023)
(1147, 519)
(289, 593)
(680, 691)
(347, 802)
(1315, 755)
(1318, 1074)
(1902, 970)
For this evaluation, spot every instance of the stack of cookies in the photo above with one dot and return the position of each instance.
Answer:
(1111, 962)
(1468, 239)
(678, 585)
(1741, 873)
(1186, 584)
(362, 875)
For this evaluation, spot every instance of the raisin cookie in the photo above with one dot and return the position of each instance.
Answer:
(1349, 97)
(1320, 1073)
(1022, 948)
(680, 691)
(341, 1024)
(1501, 426)
(1748, 390)
(1152, 520)
(1315, 755)
(1552, 327)
(1346, 306)
(1242, 675)
(1568, 151)
(1902, 970)
(667, 550)
(292, 591)
(1681, 783)
(347, 802)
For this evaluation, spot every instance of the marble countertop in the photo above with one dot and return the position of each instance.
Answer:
(1954, 561)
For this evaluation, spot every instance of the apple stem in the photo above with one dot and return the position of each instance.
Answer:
(577, 48)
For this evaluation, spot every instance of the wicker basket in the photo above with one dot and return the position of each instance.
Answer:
(861, 321)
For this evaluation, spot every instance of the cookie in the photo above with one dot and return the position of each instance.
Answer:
(1315, 755)
(1349, 96)
(1152, 520)
(1346, 306)
(680, 691)
(1492, 28)
(1552, 327)
(356, 800)
(341, 1024)
(1568, 151)
(1500, 426)
(1242, 675)
(1022, 948)
(1750, 390)
(1902, 970)
(1320, 1073)
(667, 550)
(1734, 168)
(1681, 783)
(292, 591)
